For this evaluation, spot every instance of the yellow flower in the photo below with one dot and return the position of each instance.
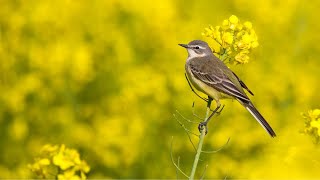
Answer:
(233, 19)
(35, 167)
(225, 24)
(70, 174)
(84, 167)
(240, 34)
(316, 124)
(44, 162)
(227, 37)
(247, 25)
(312, 124)
(66, 158)
(236, 39)
(246, 38)
(229, 51)
(239, 27)
(208, 32)
(48, 148)
(217, 34)
(242, 58)
(314, 114)
(242, 45)
(39, 168)
(61, 161)
(254, 44)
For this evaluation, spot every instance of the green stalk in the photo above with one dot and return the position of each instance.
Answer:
(199, 149)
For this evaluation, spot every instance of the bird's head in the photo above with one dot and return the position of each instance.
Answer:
(197, 48)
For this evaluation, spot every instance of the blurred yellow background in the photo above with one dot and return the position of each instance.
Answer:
(105, 77)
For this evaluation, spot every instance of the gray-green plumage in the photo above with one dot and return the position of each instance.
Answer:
(211, 76)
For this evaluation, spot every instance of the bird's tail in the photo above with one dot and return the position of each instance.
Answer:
(255, 113)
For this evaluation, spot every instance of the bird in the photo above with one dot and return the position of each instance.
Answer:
(208, 74)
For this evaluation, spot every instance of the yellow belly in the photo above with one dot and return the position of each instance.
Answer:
(208, 90)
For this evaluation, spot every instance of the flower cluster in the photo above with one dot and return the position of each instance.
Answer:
(236, 39)
(312, 124)
(59, 163)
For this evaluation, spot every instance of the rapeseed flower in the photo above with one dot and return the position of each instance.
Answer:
(236, 40)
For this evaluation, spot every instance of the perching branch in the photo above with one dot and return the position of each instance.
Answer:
(199, 149)
(203, 129)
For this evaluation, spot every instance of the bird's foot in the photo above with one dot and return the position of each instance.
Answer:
(203, 125)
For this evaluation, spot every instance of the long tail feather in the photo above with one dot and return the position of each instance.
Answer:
(255, 113)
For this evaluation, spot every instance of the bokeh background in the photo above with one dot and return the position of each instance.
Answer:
(106, 77)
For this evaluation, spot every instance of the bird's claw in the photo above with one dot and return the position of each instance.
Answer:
(203, 125)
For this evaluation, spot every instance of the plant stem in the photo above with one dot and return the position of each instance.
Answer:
(199, 149)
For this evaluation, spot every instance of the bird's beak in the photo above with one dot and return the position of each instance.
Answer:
(184, 45)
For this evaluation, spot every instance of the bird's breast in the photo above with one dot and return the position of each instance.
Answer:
(203, 87)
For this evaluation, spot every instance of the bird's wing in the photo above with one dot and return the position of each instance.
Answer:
(219, 81)
(242, 84)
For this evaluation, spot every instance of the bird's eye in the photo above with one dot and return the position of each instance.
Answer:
(197, 47)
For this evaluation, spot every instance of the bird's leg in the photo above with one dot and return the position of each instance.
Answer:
(206, 100)
(218, 112)
(205, 122)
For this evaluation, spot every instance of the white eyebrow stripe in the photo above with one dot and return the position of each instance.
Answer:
(201, 47)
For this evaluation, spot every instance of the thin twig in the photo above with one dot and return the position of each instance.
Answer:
(177, 173)
(204, 171)
(187, 131)
(193, 122)
(177, 167)
(194, 147)
(219, 149)
(184, 127)
(194, 114)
